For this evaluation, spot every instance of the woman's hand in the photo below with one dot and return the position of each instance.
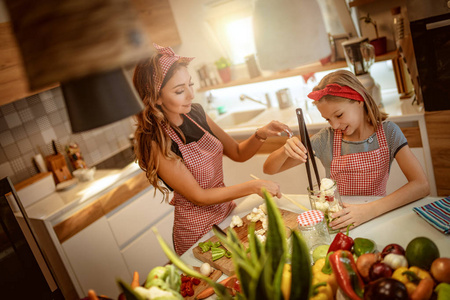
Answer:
(295, 149)
(272, 188)
(274, 128)
(355, 214)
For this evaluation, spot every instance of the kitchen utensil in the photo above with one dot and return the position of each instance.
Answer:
(226, 264)
(284, 98)
(56, 163)
(288, 198)
(307, 143)
(84, 174)
(360, 55)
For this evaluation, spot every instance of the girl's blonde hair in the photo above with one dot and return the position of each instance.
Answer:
(347, 78)
(150, 137)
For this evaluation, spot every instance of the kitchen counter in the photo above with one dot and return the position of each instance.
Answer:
(60, 204)
(398, 226)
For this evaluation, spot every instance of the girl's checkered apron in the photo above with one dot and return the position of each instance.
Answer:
(204, 160)
(364, 173)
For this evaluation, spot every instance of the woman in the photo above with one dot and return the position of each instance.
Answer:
(177, 143)
(356, 150)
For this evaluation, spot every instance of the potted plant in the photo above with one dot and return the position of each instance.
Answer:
(380, 42)
(223, 67)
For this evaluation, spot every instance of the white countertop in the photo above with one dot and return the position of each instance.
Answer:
(398, 226)
(398, 110)
(59, 204)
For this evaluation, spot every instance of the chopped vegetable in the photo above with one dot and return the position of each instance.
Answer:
(218, 253)
(206, 246)
(236, 221)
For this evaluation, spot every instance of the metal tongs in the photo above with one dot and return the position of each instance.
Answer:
(307, 143)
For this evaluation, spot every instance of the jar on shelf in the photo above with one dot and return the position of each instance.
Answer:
(313, 228)
(326, 199)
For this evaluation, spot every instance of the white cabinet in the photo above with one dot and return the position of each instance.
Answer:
(145, 253)
(96, 260)
(137, 215)
(120, 243)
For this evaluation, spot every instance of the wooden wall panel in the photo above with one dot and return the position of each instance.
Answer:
(13, 82)
(438, 127)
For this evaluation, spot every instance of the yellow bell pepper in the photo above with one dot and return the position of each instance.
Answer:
(403, 277)
(330, 279)
(323, 292)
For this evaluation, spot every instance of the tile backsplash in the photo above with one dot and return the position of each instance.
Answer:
(28, 126)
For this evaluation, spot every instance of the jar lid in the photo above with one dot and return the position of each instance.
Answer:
(310, 217)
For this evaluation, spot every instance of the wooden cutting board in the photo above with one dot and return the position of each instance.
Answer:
(203, 285)
(226, 264)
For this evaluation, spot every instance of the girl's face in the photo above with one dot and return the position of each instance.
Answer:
(176, 96)
(348, 116)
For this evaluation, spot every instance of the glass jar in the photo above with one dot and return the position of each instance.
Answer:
(313, 229)
(326, 199)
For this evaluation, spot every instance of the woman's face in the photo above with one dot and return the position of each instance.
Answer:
(348, 116)
(177, 95)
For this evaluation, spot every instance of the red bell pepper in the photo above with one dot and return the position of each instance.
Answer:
(342, 242)
(347, 277)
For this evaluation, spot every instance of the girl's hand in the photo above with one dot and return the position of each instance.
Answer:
(272, 188)
(274, 128)
(295, 149)
(355, 214)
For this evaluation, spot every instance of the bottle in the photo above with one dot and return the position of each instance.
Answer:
(398, 24)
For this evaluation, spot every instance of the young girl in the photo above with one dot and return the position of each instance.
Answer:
(177, 143)
(356, 151)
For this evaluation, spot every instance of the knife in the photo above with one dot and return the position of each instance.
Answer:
(54, 147)
(219, 230)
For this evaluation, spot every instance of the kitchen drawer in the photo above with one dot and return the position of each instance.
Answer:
(138, 215)
(145, 253)
(96, 260)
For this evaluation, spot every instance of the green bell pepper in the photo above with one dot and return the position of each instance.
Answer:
(363, 246)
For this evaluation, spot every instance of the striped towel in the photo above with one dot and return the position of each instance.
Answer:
(437, 214)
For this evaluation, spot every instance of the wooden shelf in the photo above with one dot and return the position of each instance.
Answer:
(303, 70)
(356, 3)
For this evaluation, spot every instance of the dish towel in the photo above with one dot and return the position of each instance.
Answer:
(437, 214)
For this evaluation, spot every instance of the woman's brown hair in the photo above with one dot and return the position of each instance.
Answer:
(347, 78)
(150, 137)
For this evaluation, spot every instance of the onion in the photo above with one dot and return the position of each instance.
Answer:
(440, 269)
(205, 269)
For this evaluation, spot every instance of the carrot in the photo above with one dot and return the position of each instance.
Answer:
(423, 290)
(135, 282)
(92, 295)
(209, 291)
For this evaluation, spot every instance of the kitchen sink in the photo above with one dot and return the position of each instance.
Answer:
(236, 118)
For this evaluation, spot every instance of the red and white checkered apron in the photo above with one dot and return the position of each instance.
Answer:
(364, 173)
(204, 160)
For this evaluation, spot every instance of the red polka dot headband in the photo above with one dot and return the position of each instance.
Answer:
(336, 90)
(166, 60)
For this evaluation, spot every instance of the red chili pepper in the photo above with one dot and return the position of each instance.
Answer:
(347, 277)
(189, 288)
(195, 281)
(185, 278)
(342, 242)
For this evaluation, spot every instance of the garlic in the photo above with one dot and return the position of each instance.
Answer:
(206, 269)
(395, 261)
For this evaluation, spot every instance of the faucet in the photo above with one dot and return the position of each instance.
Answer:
(268, 104)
